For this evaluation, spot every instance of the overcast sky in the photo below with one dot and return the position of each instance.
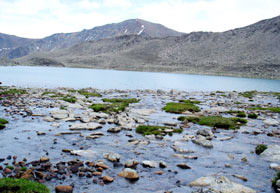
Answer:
(40, 18)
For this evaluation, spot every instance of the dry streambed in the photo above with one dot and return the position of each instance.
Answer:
(140, 141)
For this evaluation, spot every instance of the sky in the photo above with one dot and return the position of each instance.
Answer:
(41, 18)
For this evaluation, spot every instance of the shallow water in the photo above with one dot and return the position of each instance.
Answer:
(51, 77)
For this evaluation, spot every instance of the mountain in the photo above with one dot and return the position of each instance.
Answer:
(22, 47)
(251, 51)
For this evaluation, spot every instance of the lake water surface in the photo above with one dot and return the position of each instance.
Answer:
(52, 77)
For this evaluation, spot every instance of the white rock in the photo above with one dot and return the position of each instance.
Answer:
(221, 184)
(143, 112)
(272, 153)
(150, 164)
(60, 114)
(85, 126)
(201, 140)
(271, 122)
(113, 157)
(84, 153)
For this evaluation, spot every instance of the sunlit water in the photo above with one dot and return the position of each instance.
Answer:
(51, 77)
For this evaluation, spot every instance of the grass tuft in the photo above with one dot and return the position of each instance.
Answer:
(260, 148)
(181, 107)
(156, 130)
(11, 185)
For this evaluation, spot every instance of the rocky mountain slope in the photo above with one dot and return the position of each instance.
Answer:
(18, 47)
(252, 51)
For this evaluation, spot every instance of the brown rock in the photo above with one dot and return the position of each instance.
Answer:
(107, 179)
(28, 174)
(97, 173)
(129, 174)
(63, 189)
(102, 165)
(7, 171)
(159, 172)
(44, 159)
(183, 166)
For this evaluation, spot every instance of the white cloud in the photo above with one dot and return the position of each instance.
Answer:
(39, 18)
(215, 15)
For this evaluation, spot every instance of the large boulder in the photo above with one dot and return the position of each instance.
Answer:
(272, 153)
(220, 184)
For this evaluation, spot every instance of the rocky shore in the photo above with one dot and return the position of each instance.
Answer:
(93, 140)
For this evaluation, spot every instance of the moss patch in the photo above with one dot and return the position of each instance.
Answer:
(248, 94)
(117, 105)
(273, 109)
(3, 123)
(70, 99)
(156, 130)
(216, 121)
(190, 101)
(252, 115)
(274, 180)
(10, 185)
(181, 107)
(237, 113)
(89, 94)
(260, 148)
(13, 91)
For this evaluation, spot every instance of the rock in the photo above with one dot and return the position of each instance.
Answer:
(49, 119)
(113, 157)
(185, 156)
(129, 174)
(172, 124)
(114, 129)
(99, 115)
(7, 171)
(201, 140)
(150, 164)
(272, 153)
(84, 153)
(85, 126)
(162, 164)
(44, 159)
(275, 166)
(183, 166)
(159, 172)
(271, 122)
(107, 179)
(240, 177)
(277, 184)
(131, 163)
(101, 165)
(206, 133)
(60, 114)
(97, 173)
(220, 184)
(63, 189)
(181, 150)
(95, 135)
(40, 133)
(143, 112)
(28, 174)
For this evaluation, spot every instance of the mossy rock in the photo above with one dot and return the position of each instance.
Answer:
(120, 100)
(69, 99)
(248, 94)
(180, 107)
(13, 91)
(217, 121)
(89, 94)
(275, 179)
(252, 115)
(190, 101)
(3, 121)
(156, 130)
(272, 109)
(237, 113)
(260, 148)
(11, 185)
(109, 108)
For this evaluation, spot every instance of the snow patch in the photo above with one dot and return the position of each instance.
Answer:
(125, 31)
(143, 27)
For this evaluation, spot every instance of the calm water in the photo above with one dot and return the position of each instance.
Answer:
(51, 77)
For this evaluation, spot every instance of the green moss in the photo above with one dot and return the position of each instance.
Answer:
(156, 130)
(274, 180)
(109, 108)
(218, 121)
(10, 167)
(248, 94)
(89, 94)
(11, 185)
(237, 113)
(13, 91)
(237, 103)
(273, 109)
(190, 101)
(23, 168)
(260, 148)
(180, 107)
(70, 99)
(252, 116)
(119, 100)
(3, 121)
(48, 93)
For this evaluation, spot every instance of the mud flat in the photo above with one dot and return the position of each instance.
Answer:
(93, 140)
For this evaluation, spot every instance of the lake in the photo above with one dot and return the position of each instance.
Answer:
(52, 77)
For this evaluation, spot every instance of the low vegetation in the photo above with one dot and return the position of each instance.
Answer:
(237, 113)
(272, 109)
(11, 185)
(156, 130)
(3, 123)
(113, 105)
(275, 179)
(12, 91)
(252, 115)
(260, 148)
(216, 121)
(248, 94)
(89, 94)
(182, 106)
(70, 99)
